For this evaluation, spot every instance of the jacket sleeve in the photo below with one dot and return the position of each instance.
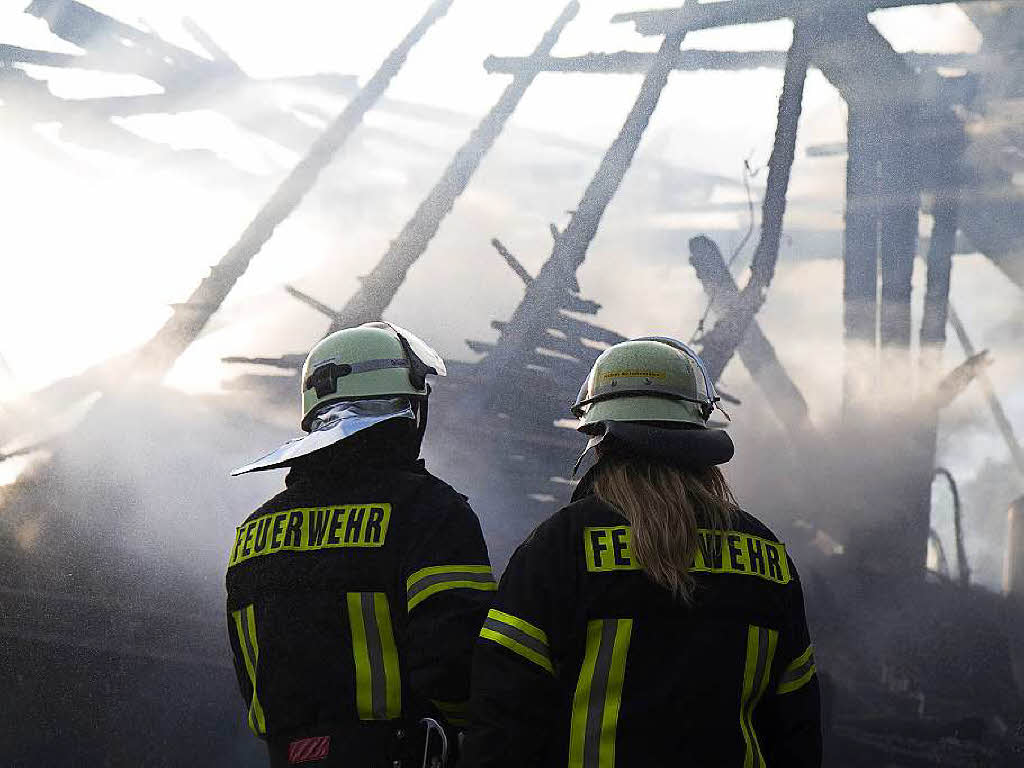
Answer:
(244, 686)
(448, 586)
(790, 715)
(245, 674)
(516, 694)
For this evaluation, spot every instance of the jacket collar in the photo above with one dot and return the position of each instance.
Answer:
(585, 487)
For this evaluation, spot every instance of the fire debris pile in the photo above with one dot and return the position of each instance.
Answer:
(918, 669)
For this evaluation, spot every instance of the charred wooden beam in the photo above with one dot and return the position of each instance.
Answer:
(379, 287)
(876, 83)
(289, 362)
(512, 261)
(723, 14)
(15, 54)
(190, 81)
(898, 236)
(117, 45)
(638, 62)
(182, 328)
(539, 306)
(936, 298)
(579, 328)
(719, 344)
(884, 98)
(924, 428)
(1002, 422)
(202, 37)
(860, 259)
(755, 351)
(309, 301)
(957, 380)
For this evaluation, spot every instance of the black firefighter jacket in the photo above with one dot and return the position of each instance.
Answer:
(584, 662)
(354, 598)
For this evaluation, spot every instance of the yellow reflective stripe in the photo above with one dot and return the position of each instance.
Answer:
(581, 699)
(519, 636)
(799, 673)
(378, 676)
(598, 697)
(361, 657)
(513, 645)
(392, 676)
(437, 578)
(435, 570)
(757, 668)
(613, 696)
(245, 625)
(521, 624)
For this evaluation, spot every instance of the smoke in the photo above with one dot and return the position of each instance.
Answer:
(117, 535)
(116, 547)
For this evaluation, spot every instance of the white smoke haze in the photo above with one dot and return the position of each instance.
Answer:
(127, 497)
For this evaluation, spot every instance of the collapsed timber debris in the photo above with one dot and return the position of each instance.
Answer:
(902, 694)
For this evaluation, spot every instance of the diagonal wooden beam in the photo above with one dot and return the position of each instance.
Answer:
(513, 263)
(311, 302)
(543, 296)
(755, 351)
(719, 344)
(378, 288)
(998, 413)
(182, 328)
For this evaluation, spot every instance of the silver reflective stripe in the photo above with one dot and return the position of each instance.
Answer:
(793, 675)
(598, 690)
(245, 627)
(440, 578)
(513, 633)
(598, 696)
(247, 639)
(756, 672)
(378, 677)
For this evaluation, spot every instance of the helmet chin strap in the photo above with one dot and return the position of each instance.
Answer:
(422, 409)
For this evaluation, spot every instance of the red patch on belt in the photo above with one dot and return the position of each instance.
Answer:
(304, 750)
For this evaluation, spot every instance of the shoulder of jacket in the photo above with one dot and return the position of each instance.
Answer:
(433, 487)
(282, 500)
(745, 522)
(572, 517)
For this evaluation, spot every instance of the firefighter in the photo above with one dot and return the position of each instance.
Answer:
(355, 595)
(651, 622)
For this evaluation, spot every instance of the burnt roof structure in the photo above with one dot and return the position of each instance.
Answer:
(904, 693)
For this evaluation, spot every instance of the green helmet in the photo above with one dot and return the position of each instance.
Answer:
(373, 360)
(650, 379)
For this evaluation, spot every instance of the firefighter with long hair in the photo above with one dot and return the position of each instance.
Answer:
(652, 621)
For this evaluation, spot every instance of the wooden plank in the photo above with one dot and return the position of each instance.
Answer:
(182, 328)
(378, 288)
(719, 344)
(755, 351)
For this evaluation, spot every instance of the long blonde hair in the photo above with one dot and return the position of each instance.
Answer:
(665, 506)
